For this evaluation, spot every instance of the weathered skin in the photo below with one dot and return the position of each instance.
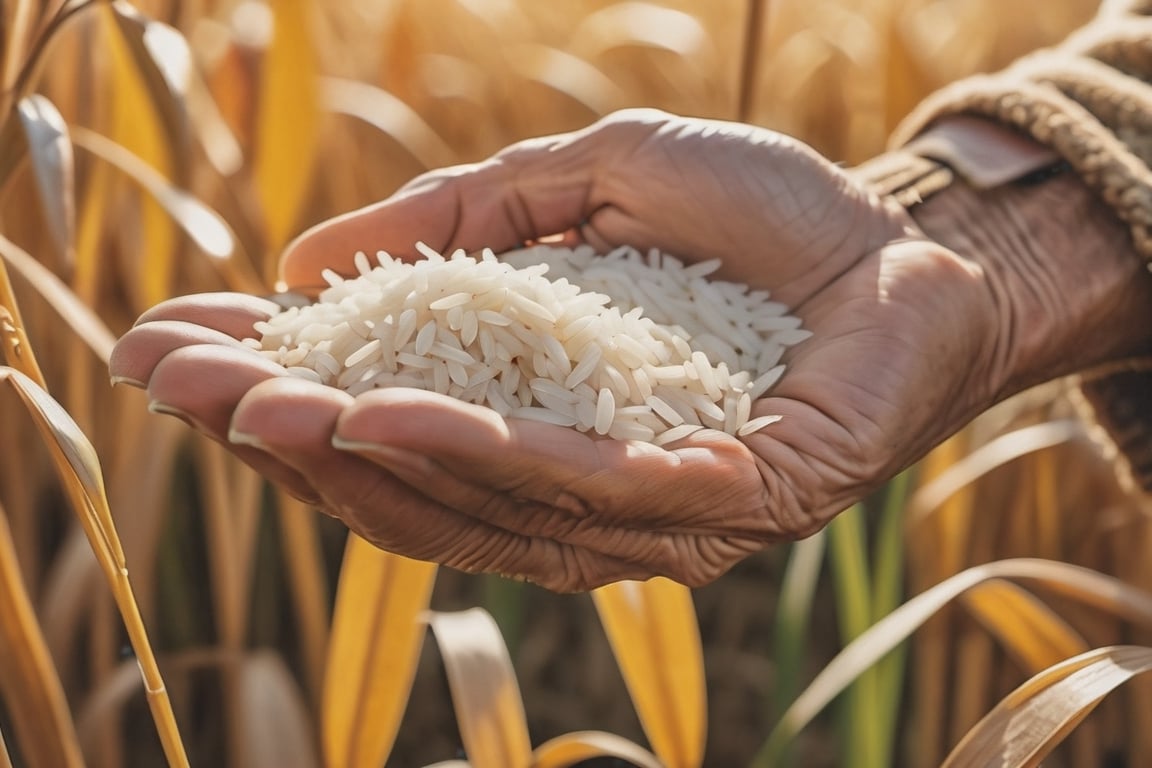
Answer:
(914, 335)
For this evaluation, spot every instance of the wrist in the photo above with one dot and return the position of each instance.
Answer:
(1068, 290)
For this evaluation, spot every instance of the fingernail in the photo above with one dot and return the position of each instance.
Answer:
(129, 381)
(389, 456)
(167, 410)
(243, 438)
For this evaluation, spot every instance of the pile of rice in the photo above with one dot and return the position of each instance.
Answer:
(629, 345)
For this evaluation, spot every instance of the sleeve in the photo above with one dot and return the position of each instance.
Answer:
(1090, 101)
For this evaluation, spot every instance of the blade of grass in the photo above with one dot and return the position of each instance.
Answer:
(485, 695)
(372, 654)
(848, 561)
(1082, 584)
(574, 748)
(28, 680)
(504, 601)
(51, 154)
(793, 620)
(80, 474)
(887, 594)
(655, 637)
(1037, 716)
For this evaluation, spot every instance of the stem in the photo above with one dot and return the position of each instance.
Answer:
(751, 56)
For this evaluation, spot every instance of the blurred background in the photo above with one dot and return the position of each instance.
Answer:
(279, 114)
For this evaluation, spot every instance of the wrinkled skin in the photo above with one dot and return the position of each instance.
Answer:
(907, 346)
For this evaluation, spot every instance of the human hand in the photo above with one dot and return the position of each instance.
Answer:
(908, 344)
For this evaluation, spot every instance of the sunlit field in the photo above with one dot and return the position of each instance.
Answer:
(153, 149)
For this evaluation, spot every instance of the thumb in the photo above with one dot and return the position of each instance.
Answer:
(530, 190)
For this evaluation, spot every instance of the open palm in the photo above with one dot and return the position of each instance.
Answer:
(899, 360)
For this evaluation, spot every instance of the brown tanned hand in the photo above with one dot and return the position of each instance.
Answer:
(911, 339)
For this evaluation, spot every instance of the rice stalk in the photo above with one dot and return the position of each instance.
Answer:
(887, 593)
(79, 471)
(308, 584)
(1081, 584)
(503, 599)
(755, 19)
(848, 560)
(28, 680)
(794, 609)
(655, 638)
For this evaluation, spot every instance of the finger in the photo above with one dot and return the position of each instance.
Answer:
(201, 385)
(294, 420)
(533, 189)
(592, 481)
(137, 353)
(230, 313)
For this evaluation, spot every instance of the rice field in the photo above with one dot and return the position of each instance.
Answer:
(153, 149)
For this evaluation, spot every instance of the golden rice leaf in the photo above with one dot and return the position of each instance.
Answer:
(79, 469)
(163, 61)
(1031, 631)
(138, 128)
(574, 748)
(390, 116)
(655, 636)
(206, 228)
(78, 315)
(28, 680)
(1032, 720)
(1082, 584)
(288, 120)
(372, 654)
(274, 719)
(51, 154)
(485, 694)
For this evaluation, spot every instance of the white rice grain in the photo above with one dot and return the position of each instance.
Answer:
(634, 346)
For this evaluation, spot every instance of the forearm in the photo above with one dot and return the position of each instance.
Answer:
(1062, 266)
